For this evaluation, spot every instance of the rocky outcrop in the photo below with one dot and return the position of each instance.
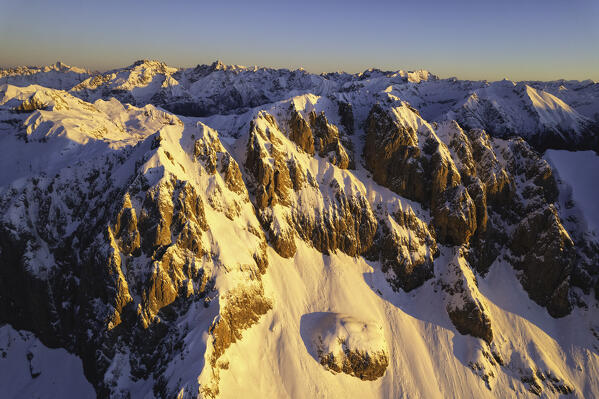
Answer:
(407, 249)
(546, 256)
(240, 309)
(300, 132)
(344, 344)
(412, 161)
(327, 141)
(319, 136)
(345, 222)
(392, 155)
(454, 215)
(464, 303)
(346, 114)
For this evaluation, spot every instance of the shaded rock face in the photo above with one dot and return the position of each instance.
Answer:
(327, 141)
(471, 319)
(300, 132)
(541, 246)
(515, 190)
(417, 165)
(546, 256)
(392, 155)
(455, 217)
(317, 135)
(464, 303)
(346, 113)
(477, 189)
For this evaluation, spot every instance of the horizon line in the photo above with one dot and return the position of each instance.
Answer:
(291, 68)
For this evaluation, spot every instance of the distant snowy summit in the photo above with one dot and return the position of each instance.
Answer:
(556, 114)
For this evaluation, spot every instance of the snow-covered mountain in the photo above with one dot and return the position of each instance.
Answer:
(58, 76)
(557, 114)
(224, 231)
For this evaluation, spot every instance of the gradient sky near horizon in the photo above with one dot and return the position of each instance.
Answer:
(523, 39)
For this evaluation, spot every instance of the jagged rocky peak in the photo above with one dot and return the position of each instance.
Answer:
(146, 231)
(315, 134)
(403, 153)
(295, 197)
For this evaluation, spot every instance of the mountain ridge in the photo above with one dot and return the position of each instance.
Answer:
(166, 250)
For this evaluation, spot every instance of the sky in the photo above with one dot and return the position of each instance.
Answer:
(518, 40)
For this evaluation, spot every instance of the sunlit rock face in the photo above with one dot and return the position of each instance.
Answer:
(407, 249)
(344, 344)
(345, 222)
(275, 223)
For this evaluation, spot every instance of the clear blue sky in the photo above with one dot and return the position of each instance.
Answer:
(524, 39)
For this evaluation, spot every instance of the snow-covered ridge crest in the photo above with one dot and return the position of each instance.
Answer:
(561, 114)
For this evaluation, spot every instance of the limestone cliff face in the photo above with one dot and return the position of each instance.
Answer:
(546, 255)
(478, 189)
(407, 249)
(404, 153)
(283, 190)
(464, 304)
(317, 135)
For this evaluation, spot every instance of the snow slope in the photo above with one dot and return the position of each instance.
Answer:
(420, 338)
(28, 369)
(580, 170)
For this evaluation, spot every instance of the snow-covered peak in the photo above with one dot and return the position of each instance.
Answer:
(56, 76)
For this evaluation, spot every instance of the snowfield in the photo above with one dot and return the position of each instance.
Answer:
(31, 370)
(580, 171)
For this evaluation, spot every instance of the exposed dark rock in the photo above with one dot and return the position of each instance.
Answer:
(363, 365)
(393, 154)
(546, 256)
(465, 305)
(327, 141)
(455, 217)
(471, 319)
(400, 239)
(300, 132)
(346, 113)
